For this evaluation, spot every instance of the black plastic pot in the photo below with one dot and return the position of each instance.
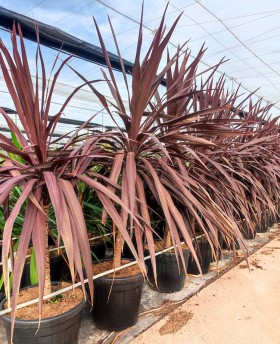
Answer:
(218, 251)
(261, 229)
(247, 233)
(170, 276)
(55, 265)
(126, 253)
(61, 329)
(117, 302)
(98, 248)
(204, 256)
(270, 221)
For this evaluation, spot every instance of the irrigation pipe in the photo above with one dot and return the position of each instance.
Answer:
(101, 236)
(78, 284)
(60, 247)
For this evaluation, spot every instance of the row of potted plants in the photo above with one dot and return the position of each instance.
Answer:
(190, 160)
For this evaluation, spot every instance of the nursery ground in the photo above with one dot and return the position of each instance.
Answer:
(219, 311)
(240, 307)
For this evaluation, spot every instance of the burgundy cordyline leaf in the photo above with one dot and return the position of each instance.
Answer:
(169, 209)
(114, 176)
(46, 173)
(147, 225)
(118, 222)
(78, 222)
(62, 217)
(185, 121)
(131, 182)
(7, 233)
(124, 198)
(206, 162)
(39, 244)
(19, 261)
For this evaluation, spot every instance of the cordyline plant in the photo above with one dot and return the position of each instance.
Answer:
(46, 173)
(207, 127)
(240, 174)
(151, 156)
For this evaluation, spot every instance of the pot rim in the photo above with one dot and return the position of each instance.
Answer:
(118, 280)
(18, 321)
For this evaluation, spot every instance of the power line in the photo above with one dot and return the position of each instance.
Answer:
(235, 26)
(248, 42)
(233, 79)
(151, 30)
(232, 27)
(237, 38)
(250, 58)
(220, 43)
(149, 21)
(32, 8)
(258, 66)
(206, 64)
(135, 27)
(232, 18)
(74, 12)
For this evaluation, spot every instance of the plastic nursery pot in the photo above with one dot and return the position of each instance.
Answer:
(61, 329)
(127, 254)
(204, 256)
(56, 267)
(271, 221)
(2, 294)
(261, 229)
(98, 248)
(117, 302)
(171, 277)
(247, 233)
(218, 251)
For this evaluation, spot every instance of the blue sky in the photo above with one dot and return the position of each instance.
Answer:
(253, 23)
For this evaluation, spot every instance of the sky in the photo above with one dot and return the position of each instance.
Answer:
(244, 32)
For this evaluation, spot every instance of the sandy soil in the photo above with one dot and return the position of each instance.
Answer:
(241, 307)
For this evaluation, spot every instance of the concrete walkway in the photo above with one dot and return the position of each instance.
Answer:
(241, 307)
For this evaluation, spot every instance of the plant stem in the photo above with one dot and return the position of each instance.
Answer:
(117, 247)
(48, 286)
(167, 237)
(6, 216)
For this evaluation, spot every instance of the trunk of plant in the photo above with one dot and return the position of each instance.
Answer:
(117, 247)
(6, 216)
(48, 285)
(167, 237)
